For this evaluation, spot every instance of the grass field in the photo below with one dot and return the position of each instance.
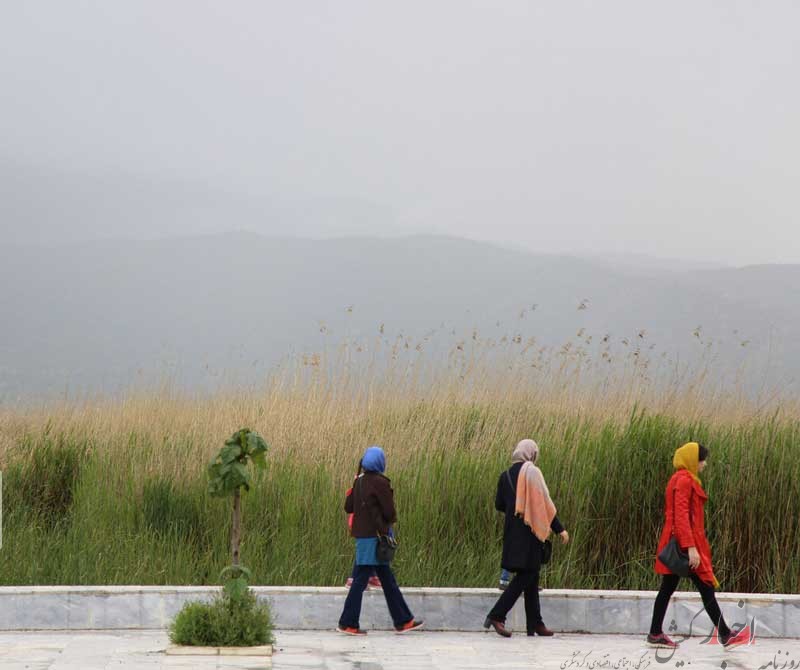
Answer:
(112, 491)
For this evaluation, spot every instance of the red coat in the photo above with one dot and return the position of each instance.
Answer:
(689, 500)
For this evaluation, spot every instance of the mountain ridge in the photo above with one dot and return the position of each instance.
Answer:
(96, 315)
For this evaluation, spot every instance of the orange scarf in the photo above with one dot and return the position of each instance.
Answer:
(533, 502)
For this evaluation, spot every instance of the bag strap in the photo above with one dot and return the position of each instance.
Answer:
(510, 481)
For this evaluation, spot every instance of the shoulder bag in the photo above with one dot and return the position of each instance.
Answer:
(675, 558)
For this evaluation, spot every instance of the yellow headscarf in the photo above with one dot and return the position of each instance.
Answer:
(688, 458)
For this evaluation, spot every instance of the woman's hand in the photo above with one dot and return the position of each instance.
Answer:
(564, 536)
(694, 558)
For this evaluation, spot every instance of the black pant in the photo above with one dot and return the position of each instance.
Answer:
(394, 599)
(526, 582)
(668, 585)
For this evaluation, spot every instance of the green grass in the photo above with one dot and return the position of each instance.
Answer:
(127, 508)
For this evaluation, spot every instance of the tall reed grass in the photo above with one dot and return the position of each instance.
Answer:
(112, 491)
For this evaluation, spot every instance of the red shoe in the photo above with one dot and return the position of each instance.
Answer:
(347, 630)
(409, 626)
(736, 639)
(661, 641)
(374, 583)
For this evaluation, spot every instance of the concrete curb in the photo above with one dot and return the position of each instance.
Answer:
(179, 650)
(447, 609)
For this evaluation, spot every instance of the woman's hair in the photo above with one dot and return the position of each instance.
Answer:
(702, 453)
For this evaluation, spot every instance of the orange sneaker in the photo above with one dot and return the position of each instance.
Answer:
(409, 626)
(374, 583)
(347, 630)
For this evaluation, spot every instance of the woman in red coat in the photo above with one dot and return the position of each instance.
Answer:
(683, 517)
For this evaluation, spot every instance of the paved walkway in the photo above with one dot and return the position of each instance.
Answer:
(386, 651)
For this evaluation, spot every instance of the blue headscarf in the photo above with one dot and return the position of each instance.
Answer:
(374, 460)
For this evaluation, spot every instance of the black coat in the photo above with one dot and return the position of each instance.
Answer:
(522, 550)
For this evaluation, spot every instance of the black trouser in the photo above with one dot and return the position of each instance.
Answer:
(394, 599)
(526, 582)
(668, 585)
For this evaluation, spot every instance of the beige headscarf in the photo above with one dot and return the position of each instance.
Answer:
(533, 502)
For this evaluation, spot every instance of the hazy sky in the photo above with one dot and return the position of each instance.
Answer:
(664, 128)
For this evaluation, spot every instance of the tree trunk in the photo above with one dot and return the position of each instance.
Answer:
(236, 526)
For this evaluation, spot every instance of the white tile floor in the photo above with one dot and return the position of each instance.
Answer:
(386, 651)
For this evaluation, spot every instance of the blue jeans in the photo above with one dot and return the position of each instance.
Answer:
(394, 599)
(353, 574)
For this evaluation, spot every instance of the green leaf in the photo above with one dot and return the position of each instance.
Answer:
(230, 452)
(236, 476)
(239, 471)
(236, 438)
(256, 444)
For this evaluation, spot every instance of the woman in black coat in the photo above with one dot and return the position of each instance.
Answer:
(529, 517)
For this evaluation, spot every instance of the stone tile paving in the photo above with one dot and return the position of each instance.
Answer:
(132, 650)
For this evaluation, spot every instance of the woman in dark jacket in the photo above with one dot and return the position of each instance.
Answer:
(530, 516)
(371, 502)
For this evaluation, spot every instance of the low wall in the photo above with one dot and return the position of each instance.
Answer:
(318, 608)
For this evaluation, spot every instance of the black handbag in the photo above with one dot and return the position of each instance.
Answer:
(387, 546)
(675, 558)
(547, 546)
(547, 551)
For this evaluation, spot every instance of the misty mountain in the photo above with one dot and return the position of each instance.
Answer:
(201, 310)
(43, 205)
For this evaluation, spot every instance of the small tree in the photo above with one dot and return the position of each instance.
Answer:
(234, 618)
(228, 474)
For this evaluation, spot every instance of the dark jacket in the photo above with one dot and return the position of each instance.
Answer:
(371, 502)
(522, 550)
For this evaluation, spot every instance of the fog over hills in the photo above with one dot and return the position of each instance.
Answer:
(106, 315)
(43, 205)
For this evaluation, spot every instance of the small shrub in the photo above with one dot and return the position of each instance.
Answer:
(193, 625)
(232, 619)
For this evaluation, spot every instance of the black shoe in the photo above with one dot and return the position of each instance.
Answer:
(499, 627)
